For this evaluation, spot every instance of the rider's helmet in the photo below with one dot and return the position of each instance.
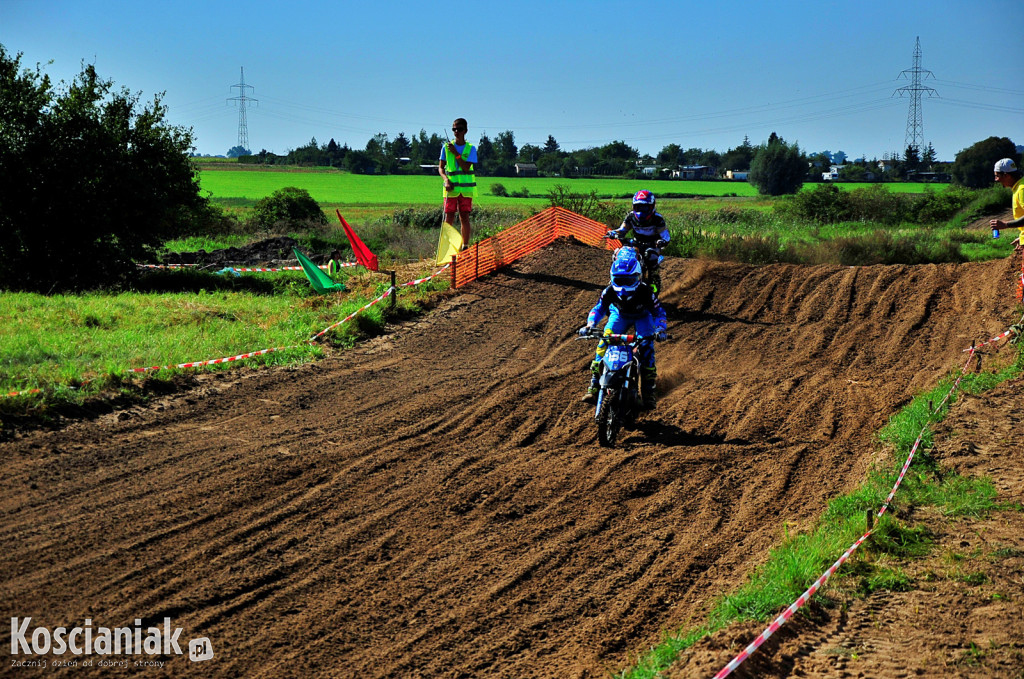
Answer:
(626, 273)
(643, 204)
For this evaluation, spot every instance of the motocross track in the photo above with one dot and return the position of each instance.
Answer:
(434, 503)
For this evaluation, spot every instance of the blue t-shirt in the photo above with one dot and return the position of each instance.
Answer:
(459, 149)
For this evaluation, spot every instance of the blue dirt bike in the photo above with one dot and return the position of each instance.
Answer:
(618, 400)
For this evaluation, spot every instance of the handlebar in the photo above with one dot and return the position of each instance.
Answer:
(632, 243)
(617, 338)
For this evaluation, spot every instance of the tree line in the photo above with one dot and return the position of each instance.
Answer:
(498, 158)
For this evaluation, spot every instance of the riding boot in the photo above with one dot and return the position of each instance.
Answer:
(656, 280)
(648, 380)
(595, 383)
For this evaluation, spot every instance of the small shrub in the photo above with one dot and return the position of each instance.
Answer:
(877, 204)
(931, 207)
(287, 207)
(584, 204)
(825, 204)
(499, 190)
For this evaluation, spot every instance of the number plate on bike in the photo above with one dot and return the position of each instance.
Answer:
(616, 357)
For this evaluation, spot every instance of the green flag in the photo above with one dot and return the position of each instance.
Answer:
(320, 281)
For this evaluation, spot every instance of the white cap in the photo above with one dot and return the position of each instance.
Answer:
(1005, 165)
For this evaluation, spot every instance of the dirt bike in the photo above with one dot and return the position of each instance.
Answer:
(618, 400)
(650, 257)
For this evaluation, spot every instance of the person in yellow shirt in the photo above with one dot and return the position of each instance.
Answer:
(456, 166)
(1007, 174)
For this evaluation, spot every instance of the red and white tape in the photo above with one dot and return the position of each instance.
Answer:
(12, 394)
(350, 316)
(228, 359)
(820, 582)
(164, 266)
(239, 269)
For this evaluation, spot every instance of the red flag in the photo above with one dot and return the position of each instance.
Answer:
(362, 253)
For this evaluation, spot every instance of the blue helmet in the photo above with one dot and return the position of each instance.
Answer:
(626, 272)
(643, 204)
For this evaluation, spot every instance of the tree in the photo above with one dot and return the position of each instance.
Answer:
(618, 150)
(972, 167)
(358, 162)
(551, 146)
(92, 180)
(669, 154)
(738, 158)
(400, 147)
(911, 160)
(928, 158)
(484, 152)
(505, 147)
(777, 168)
(238, 151)
(529, 153)
(710, 158)
(691, 156)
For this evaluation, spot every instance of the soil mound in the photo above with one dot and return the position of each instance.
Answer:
(270, 252)
(435, 503)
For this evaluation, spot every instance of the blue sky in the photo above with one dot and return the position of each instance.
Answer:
(701, 74)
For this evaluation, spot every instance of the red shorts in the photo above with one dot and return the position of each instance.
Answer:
(458, 204)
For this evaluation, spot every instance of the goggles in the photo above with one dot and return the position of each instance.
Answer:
(626, 280)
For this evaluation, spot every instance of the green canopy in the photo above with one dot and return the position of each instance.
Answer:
(320, 281)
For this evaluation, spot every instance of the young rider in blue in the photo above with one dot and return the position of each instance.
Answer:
(628, 302)
(649, 231)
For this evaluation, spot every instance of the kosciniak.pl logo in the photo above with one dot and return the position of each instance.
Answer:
(90, 640)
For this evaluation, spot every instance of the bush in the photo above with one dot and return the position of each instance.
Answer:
(287, 208)
(584, 204)
(877, 204)
(499, 190)
(931, 207)
(825, 204)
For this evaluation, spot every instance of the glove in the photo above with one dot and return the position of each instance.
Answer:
(661, 336)
(613, 234)
(585, 330)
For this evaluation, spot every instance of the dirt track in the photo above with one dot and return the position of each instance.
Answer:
(435, 503)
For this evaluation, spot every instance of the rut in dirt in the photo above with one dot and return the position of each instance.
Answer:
(435, 503)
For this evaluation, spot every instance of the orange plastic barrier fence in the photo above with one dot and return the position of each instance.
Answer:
(525, 237)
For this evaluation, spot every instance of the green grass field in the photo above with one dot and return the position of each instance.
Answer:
(335, 188)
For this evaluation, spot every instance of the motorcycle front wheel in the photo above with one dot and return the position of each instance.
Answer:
(608, 418)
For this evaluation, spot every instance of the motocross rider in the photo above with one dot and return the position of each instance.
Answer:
(649, 231)
(628, 302)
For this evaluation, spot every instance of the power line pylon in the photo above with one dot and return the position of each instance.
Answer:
(915, 127)
(243, 128)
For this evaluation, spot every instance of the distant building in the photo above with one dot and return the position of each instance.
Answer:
(833, 173)
(695, 172)
(526, 169)
(738, 175)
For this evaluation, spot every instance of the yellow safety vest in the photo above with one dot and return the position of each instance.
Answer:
(463, 183)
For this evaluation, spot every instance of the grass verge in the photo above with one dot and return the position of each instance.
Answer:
(74, 348)
(800, 559)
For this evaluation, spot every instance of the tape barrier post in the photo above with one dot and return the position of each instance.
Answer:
(820, 582)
